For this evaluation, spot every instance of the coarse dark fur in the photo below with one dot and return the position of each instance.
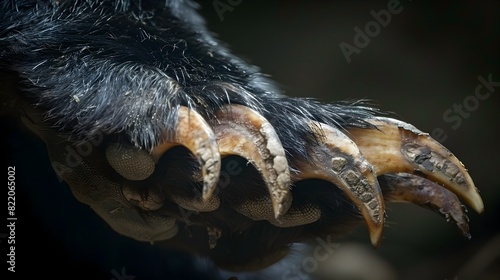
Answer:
(124, 67)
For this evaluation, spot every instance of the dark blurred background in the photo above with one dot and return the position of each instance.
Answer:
(426, 60)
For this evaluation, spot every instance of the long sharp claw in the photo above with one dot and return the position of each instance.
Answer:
(337, 159)
(193, 132)
(396, 147)
(241, 131)
(426, 194)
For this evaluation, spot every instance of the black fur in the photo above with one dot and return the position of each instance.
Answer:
(124, 67)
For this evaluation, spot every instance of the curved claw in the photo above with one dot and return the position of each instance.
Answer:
(426, 194)
(337, 159)
(193, 132)
(396, 147)
(242, 131)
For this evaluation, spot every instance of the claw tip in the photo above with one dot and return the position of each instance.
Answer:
(208, 190)
(278, 211)
(376, 235)
(476, 203)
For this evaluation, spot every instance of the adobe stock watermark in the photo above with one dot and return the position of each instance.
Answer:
(460, 111)
(222, 7)
(362, 38)
(231, 168)
(321, 252)
(74, 154)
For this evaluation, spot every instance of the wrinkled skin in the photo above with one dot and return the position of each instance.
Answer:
(173, 140)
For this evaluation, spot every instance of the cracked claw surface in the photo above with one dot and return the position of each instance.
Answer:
(346, 174)
(243, 132)
(426, 194)
(336, 159)
(199, 150)
(350, 162)
(396, 146)
(193, 132)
